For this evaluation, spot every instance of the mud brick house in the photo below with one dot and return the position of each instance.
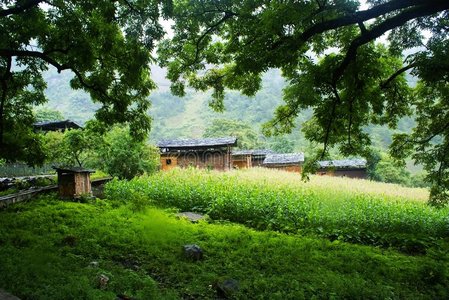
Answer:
(291, 162)
(56, 125)
(353, 168)
(207, 153)
(242, 159)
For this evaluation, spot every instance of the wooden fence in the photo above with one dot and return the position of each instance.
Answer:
(19, 169)
(31, 193)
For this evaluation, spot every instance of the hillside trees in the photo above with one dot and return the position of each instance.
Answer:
(247, 138)
(45, 114)
(334, 59)
(106, 45)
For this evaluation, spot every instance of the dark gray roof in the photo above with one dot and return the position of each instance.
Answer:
(195, 143)
(56, 125)
(343, 163)
(284, 159)
(74, 170)
(252, 152)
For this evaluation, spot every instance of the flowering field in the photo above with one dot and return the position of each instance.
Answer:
(357, 211)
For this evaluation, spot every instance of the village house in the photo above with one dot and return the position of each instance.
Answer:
(352, 168)
(291, 162)
(242, 159)
(207, 153)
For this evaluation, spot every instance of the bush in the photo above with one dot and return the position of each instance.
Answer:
(123, 157)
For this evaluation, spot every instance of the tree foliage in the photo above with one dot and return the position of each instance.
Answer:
(46, 114)
(105, 44)
(70, 148)
(122, 156)
(335, 62)
(247, 138)
(115, 152)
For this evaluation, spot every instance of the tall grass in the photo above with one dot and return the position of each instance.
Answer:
(352, 210)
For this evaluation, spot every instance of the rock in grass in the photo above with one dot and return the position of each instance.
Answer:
(227, 288)
(103, 281)
(94, 264)
(193, 252)
(191, 216)
(6, 296)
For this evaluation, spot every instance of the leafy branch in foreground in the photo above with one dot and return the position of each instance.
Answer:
(107, 46)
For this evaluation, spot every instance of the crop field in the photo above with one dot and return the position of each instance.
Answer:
(357, 211)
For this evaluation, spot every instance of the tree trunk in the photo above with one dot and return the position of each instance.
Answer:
(4, 87)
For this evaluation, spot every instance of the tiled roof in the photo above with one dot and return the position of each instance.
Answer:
(74, 170)
(284, 159)
(55, 125)
(193, 143)
(344, 163)
(252, 152)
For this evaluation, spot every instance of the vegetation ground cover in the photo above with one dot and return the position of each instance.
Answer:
(47, 247)
(351, 210)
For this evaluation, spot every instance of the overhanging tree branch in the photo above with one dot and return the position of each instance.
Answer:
(19, 8)
(60, 67)
(198, 49)
(379, 30)
(361, 16)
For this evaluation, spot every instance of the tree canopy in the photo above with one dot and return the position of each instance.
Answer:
(107, 45)
(346, 62)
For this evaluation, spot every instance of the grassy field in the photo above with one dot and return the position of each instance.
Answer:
(47, 250)
(356, 211)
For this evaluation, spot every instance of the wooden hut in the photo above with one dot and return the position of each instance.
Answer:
(291, 162)
(56, 125)
(352, 168)
(207, 153)
(74, 182)
(242, 159)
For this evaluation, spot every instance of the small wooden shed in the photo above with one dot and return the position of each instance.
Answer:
(207, 153)
(291, 162)
(352, 168)
(242, 159)
(74, 182)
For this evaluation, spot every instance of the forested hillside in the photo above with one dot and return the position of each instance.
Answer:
(190, 116)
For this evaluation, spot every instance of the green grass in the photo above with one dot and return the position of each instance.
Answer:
(46, 247)
(350, 210)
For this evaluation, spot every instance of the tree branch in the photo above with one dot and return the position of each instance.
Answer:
(20, 8)
(54, 63)
(361, 16)
(397, 73)
(432, 136)
(379, 30)
(227, 16)
(36, 54)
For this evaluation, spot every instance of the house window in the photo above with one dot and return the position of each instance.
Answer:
(168, 161)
